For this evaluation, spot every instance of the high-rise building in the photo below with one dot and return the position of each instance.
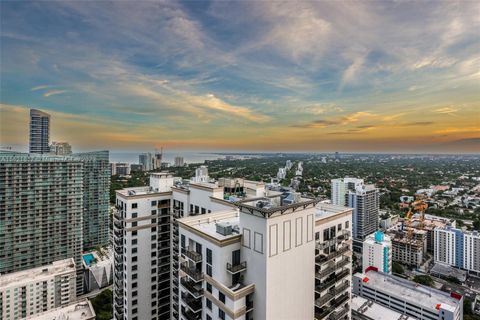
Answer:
(60, 148)
(39, 131)
(364, 200)
(179, 162)
(27, 293)
(377, 252)
(201, 175)
(142, 253)
(146, 160)
(120, 168)
(41, 211)
(266, 260)
(96, 198)
(458, 248)
(407, 297)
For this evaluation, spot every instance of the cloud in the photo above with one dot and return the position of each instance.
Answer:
(344, 120)
(53, 93)
(417, 123)
(39, 88)
(446, 110)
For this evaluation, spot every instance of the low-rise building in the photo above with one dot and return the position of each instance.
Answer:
(32, 291)
(98, 266)
(80, 310)
(409, 298)
(377, 252)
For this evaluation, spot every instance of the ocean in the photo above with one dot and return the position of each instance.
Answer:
(188, 157)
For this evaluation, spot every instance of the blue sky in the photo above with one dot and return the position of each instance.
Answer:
(320, 76)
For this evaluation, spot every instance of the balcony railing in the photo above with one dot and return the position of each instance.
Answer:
(331, 281)
(339, 314)
(338, 301)
(193, 304)
(323, 299)
(194, 289)
(325, 257)
(189, 315)
(239, 267)
(193, 273)
(192, 255)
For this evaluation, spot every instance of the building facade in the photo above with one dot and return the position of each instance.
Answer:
(458, 248)
(377, 252)
(30, 292)
(96, 198)
(39, 131)
(60, 148)
(407, 297)
(120, 168)
(179, 162)
(266, 261)
(364, 200)
(41, 211)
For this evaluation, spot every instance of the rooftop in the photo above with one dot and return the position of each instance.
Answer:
(208, 223)
(410, 291)
(77, 311)
(37, 274)
(325, 210)
(137, 191)
(374, 310)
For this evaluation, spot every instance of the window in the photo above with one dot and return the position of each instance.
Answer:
(134, 293)
(221, 297)
(134, 215)
(209, 256)
(182, 241)
(339, 227)
(197, 209)
(209, 287)
(154, 229)
(134, 276)
(134, 233)
(221, 314)
(154, 203)
(204, 211)
(347, 224)
(209, 304)
(134, 250)
(154, 270)
(134, 268)
(134, 285)
(209, 270)
(134, 242)
(154, 212)
(134, 259)
(134, 205)
(154, 237)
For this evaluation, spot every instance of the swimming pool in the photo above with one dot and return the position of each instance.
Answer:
(88, 258)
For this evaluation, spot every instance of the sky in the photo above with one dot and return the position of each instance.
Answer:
(324, 76)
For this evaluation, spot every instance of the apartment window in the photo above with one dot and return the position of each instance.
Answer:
(134, 293)
(209, 256)
(154, 237)
(134, 276)
(153, 246)
(182, 241)
(191, 208)
(134, 268)
(154, 295)
(154, 229)
(134, 302)
(154, 287)
(134, 205)
(134, 215)
(154, 203)
(154, 212)
(154, 270)
(134, 250)
(134, 233)
(134, 259)
(339, 227)
(134, 242)
(134, 285)
(221, 297)
(204, 211)
(154, 279)
(134, 310)
(209, 270)
(221, 314)
(347, 224)
(154, 221)
(209, 304)
(209, 211)
(209, 287)
(197, 209)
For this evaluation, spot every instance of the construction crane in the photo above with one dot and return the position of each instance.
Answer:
(408, 219)
(420, 206)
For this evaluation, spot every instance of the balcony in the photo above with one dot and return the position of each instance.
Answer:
(338, 301)
(325, 244)
(325, 257)
(195, 305)
(191, 315)
(193, 273)
(332, 280)
(236, 268)
(339, 314)
(192, 255)
(249, 306)
(194, 289)
(323, 299)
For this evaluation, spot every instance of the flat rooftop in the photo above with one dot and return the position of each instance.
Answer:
(207, 223)
(374, 310)
(137, 191)
(79, 310)
(37, 274)
(409, 291)
(326, 210)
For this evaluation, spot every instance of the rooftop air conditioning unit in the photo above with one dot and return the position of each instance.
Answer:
(224, 228)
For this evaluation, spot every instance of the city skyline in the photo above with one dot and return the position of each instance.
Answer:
(262, 76)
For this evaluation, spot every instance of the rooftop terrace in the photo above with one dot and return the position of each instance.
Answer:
(37, 274)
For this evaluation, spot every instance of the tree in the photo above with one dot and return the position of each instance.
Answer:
(425, 280)
(102, 304)
(397, 268)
